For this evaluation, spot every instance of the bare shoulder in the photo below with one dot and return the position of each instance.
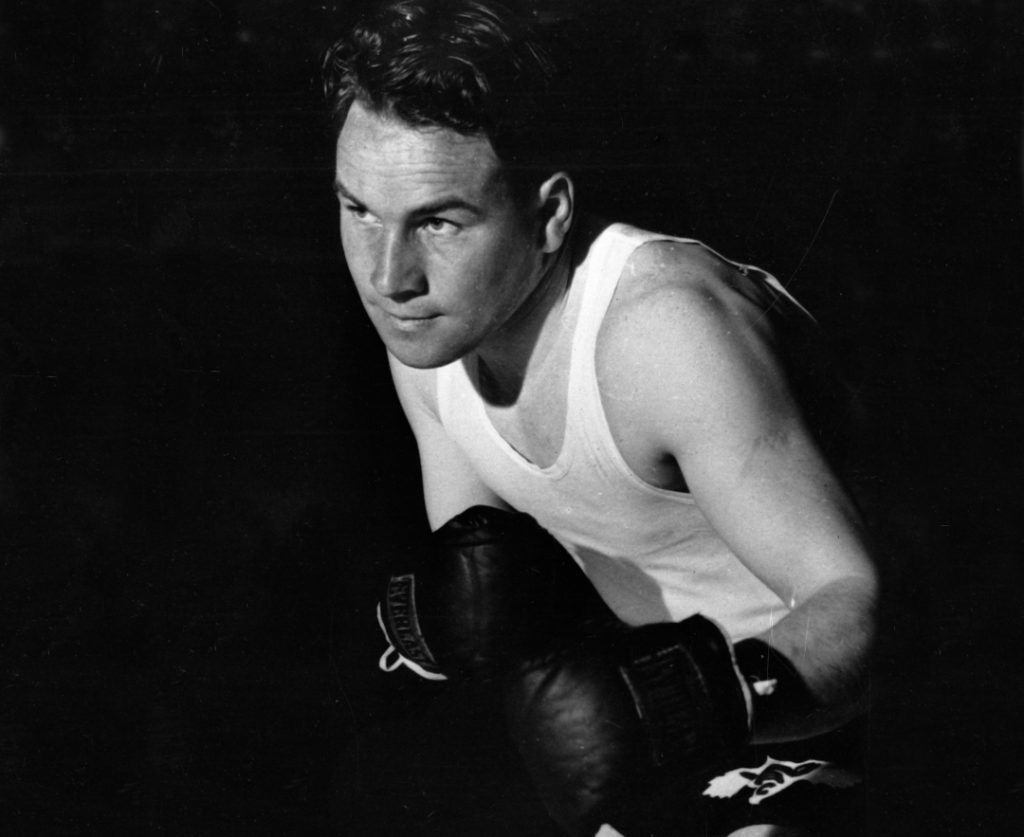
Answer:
(684, 345)
(680, 304)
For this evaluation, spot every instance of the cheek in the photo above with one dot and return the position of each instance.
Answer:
(355, 252)
(483, 283)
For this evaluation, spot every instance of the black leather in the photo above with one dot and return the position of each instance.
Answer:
(491, 586)
(608, 713)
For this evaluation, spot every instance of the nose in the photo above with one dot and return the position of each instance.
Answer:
(398, 270)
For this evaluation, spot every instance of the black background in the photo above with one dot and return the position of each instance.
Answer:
(203, 470)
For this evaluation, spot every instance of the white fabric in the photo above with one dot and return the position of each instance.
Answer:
(650, 552)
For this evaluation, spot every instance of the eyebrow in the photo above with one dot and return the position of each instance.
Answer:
(339, 189)
(444, 204)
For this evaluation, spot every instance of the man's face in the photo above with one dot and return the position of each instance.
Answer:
(441, 255)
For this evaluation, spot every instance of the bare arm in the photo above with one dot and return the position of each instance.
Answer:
(714, 401)
(450, 485)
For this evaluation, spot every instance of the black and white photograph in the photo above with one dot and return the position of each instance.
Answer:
(476, 418)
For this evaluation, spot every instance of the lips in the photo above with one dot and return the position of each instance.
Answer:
(401, 320)
(410, 317)
(407, 322)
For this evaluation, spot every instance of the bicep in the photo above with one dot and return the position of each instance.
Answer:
(768, 491)
(450, 483)
(724, 411)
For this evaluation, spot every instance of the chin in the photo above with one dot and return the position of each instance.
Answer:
(421, 355)
(435, 342)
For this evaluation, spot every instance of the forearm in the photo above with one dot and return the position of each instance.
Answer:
(828, 638)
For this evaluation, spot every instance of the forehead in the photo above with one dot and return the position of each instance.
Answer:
(380, 157)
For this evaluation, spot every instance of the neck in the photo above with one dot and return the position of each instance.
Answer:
(525, 341)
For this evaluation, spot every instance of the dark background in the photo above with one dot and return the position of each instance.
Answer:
(203, 469)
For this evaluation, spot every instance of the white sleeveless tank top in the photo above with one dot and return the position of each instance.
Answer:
(650, 552)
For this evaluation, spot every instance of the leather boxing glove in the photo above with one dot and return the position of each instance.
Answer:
(621, 725)
(491, 586)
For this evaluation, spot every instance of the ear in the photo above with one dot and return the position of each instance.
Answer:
(557, 201)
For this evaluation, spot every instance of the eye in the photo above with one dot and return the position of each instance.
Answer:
(440, 225)
(358, 212)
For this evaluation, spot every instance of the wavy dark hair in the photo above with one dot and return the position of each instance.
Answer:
(474, 66)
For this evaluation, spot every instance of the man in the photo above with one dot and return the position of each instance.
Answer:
(630, 391)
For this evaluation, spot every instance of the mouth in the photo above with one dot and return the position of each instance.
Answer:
(405, 322)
